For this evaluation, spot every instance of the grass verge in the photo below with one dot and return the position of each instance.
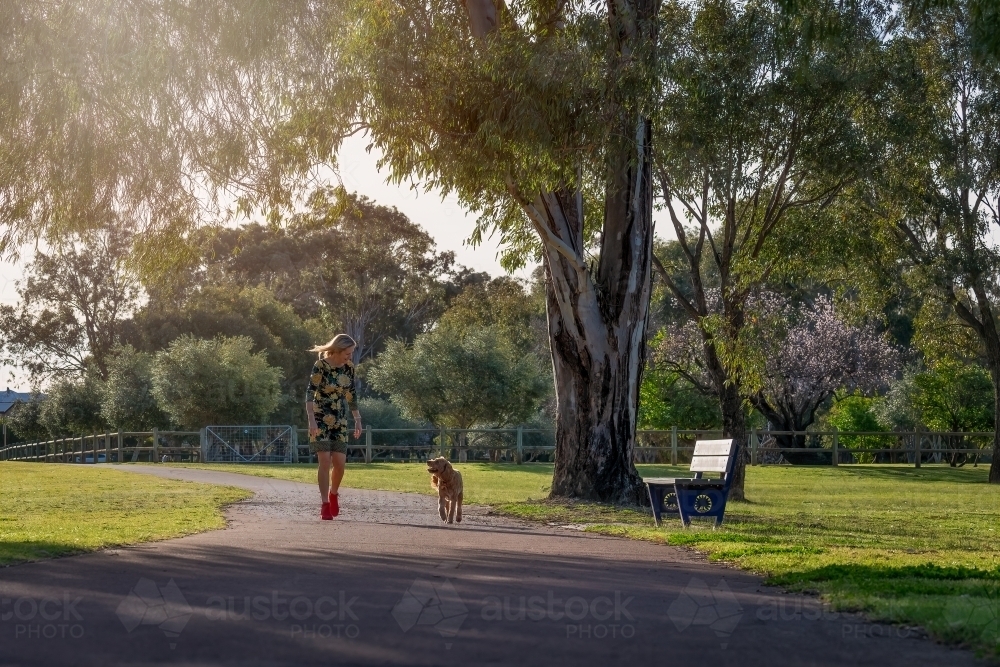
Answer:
(56, 510)
(909, 546)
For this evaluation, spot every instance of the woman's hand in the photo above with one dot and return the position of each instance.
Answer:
(311, 419)
(357, 426)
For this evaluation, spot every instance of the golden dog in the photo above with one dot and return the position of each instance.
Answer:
(448, 483)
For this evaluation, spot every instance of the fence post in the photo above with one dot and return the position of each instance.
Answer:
(156, 445)
(368, 443)
(121, 451)
(107, 447)
(520, 445)
(754, 444)
(442, 442)
(673, 445)
(916, 451)
(835, 459)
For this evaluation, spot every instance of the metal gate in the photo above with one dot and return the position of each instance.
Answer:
(249, 444)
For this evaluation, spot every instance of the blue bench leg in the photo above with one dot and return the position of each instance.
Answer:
(656, 501)
(685, 518)
(722, 511)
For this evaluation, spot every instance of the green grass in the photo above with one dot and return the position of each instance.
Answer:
(904, 545)
(55, 510)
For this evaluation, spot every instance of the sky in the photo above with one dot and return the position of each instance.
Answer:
(444, 220)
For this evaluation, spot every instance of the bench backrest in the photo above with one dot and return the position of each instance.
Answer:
(714, 456)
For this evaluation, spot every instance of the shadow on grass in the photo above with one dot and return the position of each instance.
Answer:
(14, 553)
(964, 475)
(887, 577)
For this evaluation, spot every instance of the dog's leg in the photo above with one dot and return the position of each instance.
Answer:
(442, 495)
(458, 515)
(451, 509)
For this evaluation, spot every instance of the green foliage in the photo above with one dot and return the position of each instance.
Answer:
(856, 412)
(138, 113)
(72, 306)
(127, 401)
(504, 304)
(202, 382)
(229, 310)
(951, 396)
(895, 410)
(954, 396)
(667, 399)
(478, 378)
(379, 413)
(73, 408)
(25, 420)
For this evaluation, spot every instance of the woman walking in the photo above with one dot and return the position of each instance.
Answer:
(329, 395)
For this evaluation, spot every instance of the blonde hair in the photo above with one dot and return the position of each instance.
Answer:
(337, 343)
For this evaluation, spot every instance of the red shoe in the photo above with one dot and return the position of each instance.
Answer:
(334, 505)
(324, 513)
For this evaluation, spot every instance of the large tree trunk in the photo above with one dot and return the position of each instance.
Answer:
(597, 329)
(992, 341)
(987, 329)
(995, 463)
(597, 323)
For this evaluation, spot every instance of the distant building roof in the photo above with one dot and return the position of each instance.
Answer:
(8, 399)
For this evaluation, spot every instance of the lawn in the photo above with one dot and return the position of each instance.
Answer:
(55, 510)
(905, 545)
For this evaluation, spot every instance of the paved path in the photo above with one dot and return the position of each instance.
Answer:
(388, 583)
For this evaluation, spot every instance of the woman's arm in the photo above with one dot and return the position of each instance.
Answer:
(314, 378)
(352, 402)
(311, 417)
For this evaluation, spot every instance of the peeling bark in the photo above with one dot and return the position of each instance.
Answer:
(482, 16)
(597, 338)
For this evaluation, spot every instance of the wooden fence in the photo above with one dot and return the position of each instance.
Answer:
(524, 445)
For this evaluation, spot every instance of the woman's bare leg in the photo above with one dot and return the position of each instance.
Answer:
(339, 460)
(323, 474)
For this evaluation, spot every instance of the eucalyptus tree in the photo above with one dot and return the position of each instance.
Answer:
(536, 114)
(117, 112)
(756, 138)
(940, 190)
(74, 302)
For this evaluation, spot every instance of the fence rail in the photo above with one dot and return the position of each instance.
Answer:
(524, 445)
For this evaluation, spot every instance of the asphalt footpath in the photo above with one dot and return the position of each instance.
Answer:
(388, 583)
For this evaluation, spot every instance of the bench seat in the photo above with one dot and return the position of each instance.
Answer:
(696, 496)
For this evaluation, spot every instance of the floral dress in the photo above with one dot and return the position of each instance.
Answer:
(331, 391)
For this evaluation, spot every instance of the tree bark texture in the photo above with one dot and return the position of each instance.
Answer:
(985, 326)
(597, 327)
(597, 315)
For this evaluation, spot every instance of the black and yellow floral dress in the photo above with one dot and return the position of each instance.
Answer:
(332, 393)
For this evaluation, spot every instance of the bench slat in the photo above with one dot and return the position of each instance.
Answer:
(713, 447)
(709, 463)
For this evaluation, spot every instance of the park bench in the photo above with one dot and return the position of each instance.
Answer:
(696, 496)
